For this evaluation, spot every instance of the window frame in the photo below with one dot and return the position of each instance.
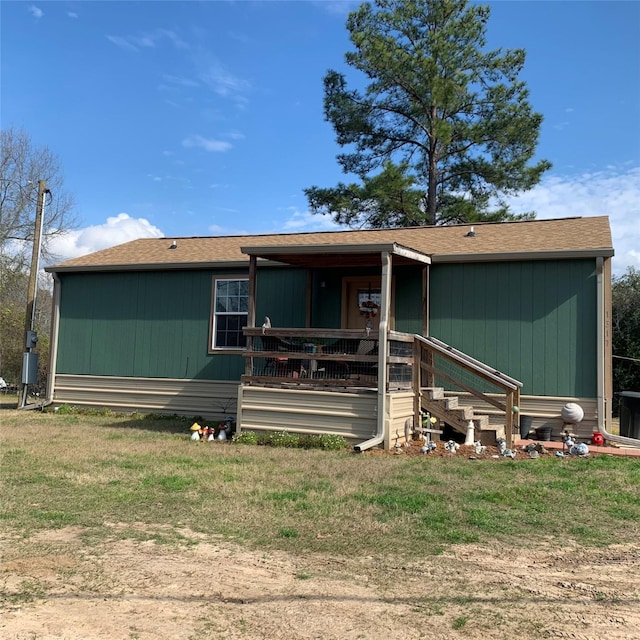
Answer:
(215, 314)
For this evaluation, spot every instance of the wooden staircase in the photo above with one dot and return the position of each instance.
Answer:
(441, 363)
(446, 409)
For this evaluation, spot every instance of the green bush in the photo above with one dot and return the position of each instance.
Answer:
(325, 441)
(284, 439)
(66, 409)
(246, 437)
(333, 442)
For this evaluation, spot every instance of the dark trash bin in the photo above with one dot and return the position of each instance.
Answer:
(630, 414)
(526, 423)
(543, 433)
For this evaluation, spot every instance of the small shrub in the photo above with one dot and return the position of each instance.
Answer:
(284, 439)
(66, 409)
(333, 442)
(246, 437)
(328, 442)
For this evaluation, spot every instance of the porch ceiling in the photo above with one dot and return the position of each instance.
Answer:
(342, 255)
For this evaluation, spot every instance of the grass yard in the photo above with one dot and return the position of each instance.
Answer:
(86, 494)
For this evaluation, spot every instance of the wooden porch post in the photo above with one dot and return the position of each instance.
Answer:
(251, 312)
(425, 300)
(417, 382)
(508, 419)
(383, 345)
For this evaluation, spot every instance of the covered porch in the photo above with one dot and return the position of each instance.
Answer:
(371, 384)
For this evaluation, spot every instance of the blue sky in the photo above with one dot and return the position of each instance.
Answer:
(205, 118)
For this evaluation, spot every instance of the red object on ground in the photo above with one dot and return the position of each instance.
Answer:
(597, 439)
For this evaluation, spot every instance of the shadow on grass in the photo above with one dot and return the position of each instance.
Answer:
(156, 424)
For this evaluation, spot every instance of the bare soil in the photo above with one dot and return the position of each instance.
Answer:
(213, 589)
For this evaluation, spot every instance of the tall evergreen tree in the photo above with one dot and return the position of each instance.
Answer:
(443, 125)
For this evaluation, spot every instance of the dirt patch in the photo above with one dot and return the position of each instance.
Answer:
(124, 589)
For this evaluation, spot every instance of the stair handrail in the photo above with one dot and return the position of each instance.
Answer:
(467, 358)
(484, 371)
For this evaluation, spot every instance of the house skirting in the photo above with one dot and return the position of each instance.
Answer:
(350, 414)
(353, 415)
(211, 399)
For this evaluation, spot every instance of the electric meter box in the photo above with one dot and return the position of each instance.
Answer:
(29, 368)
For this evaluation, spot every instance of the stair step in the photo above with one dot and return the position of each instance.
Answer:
(447, 410)
(451, 402)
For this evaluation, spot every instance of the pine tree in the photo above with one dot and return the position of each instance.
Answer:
(444, 127)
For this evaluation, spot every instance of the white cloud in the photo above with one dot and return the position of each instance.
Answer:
(72, 14)
(116, 230)
(222, 82)
(208, 144)
(177, 81)
(36, 12)
(614, 193)
(301, 221)
(337, 7)
(122, 43)
(148, 40)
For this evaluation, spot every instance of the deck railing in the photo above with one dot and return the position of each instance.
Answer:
(325, 357)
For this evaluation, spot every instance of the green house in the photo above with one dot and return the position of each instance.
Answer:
(352, 332)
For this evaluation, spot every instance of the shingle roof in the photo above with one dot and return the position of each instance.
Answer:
(588, 236)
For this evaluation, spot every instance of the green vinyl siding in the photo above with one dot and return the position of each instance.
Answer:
(281, 295)
(535, 321)
(327, 297)
(156, 324)
(408, 309)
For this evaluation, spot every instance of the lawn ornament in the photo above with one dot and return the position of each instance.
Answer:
(468, 441)
(428, 446)
(451, 446)
(480, 448)
(572, 413)
(502, 445)
(195, 431)
(568, 440)
(597, 439)
(580, 449)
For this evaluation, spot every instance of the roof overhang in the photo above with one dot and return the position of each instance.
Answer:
(338, 255)
(150, 266)
(516, 256)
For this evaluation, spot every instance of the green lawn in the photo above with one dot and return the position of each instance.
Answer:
(92, 470)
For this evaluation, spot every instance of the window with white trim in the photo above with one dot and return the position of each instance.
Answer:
(230, 312)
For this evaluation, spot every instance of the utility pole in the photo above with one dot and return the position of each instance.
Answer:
(30, 358)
